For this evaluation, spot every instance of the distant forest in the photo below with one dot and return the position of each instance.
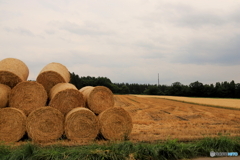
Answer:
(195, 89)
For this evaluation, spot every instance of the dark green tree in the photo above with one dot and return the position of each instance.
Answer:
(232, 89)
(237, 91)
(196, 89)
(208, 90)
(152, 90)
(176, 89)
(124, 90)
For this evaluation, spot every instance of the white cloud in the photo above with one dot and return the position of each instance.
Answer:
(126, 41)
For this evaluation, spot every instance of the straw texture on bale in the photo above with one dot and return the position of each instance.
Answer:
(12, 124)
(28, 96)
(115, 123)
(45, 124)
(13, 71)
(4, 95)
(81, 125)
(98, 98)
(52, 74)
(65, 97)
(87, 87)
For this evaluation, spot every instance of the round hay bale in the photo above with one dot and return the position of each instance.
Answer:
(85, 97)
(65, 97)
(86, 87)
(81, 125)
(12, 124)
(27, 96)
(4, 95)
(115, 123)
(45, 124)
(13, 71)
(52, 74)
(98, 98)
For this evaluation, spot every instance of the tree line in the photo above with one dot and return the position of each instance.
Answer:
(195, 89)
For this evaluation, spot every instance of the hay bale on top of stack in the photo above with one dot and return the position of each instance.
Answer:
(13, 71)
(4, 95)
(98, 98)
(65, 97)
(52, 74)
(28, 96)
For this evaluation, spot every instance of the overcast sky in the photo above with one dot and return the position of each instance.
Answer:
(127, 41)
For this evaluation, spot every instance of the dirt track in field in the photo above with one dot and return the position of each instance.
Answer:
(161, 119)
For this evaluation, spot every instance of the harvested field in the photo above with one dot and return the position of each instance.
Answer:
(229, 103)
(161, 119)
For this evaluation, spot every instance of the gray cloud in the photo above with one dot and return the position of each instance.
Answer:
(19, 30)
(188, 15)
(225, 52)
(50, 32)
(50, 6)
(127, 41)
(83, 29)
(197, 19)
(201, 19)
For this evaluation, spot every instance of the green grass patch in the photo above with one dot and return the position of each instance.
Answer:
(169, 150)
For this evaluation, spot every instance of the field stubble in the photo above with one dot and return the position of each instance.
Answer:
(161, 119)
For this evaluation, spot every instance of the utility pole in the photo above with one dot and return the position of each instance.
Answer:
(158, 79)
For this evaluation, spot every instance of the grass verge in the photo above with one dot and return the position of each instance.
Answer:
(169, 150)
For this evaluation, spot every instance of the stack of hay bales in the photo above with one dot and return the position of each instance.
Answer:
(115, 122)
(50, 107)
(12, 120)
(46, 124)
